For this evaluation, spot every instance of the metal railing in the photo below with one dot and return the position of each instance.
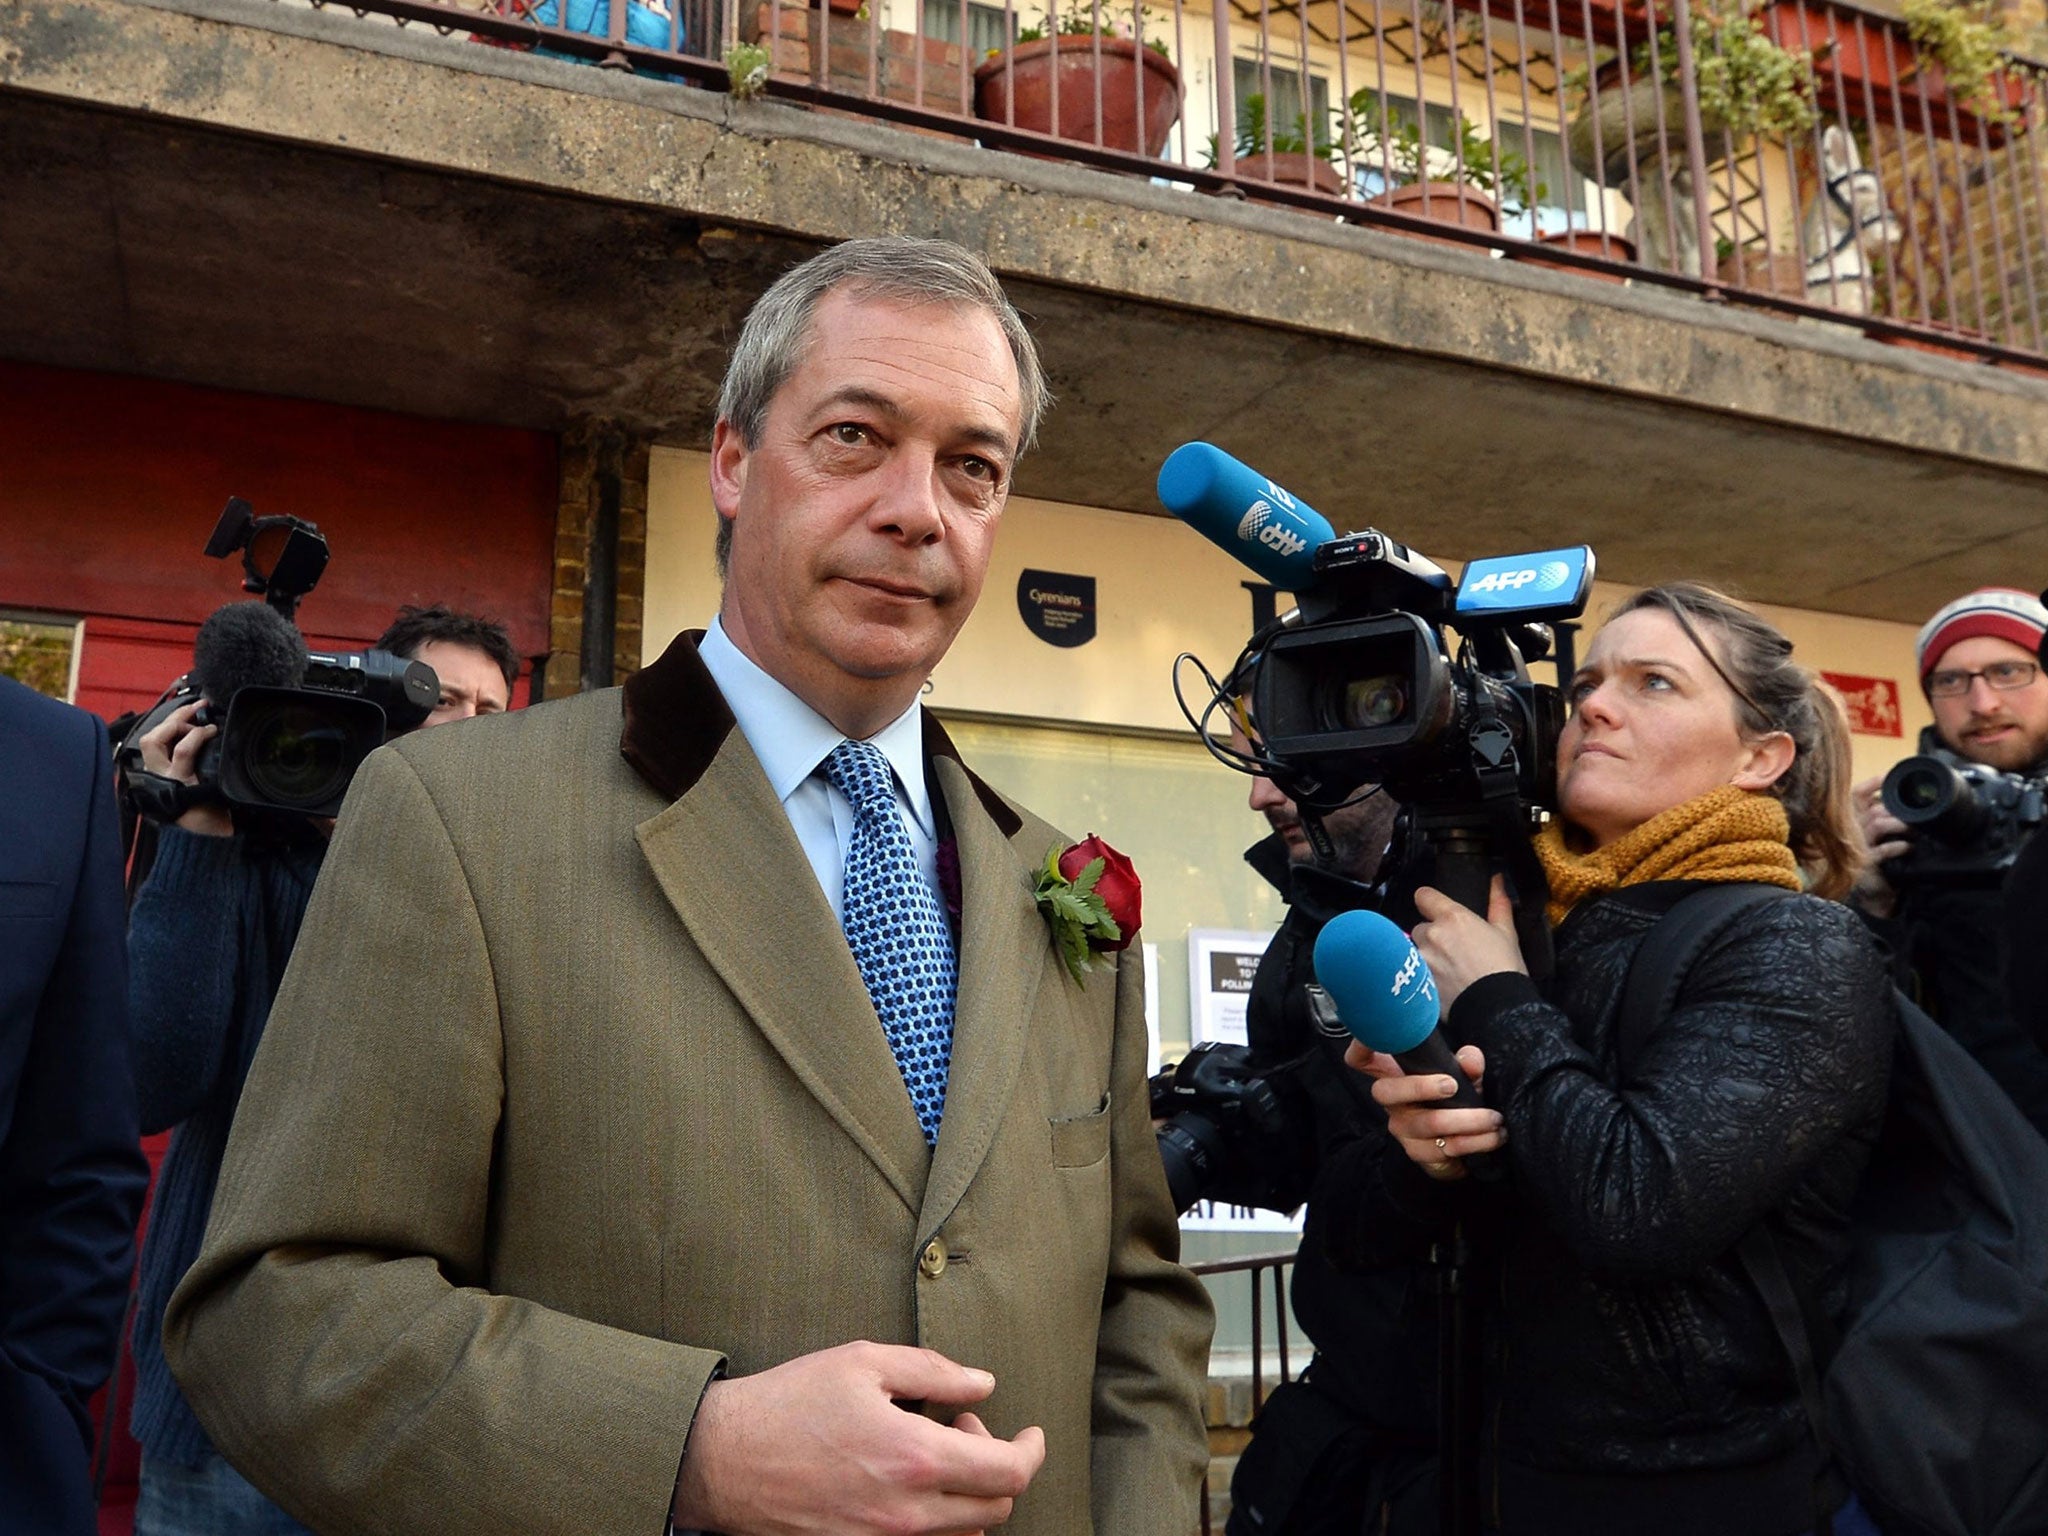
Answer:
(1259, 1267)
(1807, 156)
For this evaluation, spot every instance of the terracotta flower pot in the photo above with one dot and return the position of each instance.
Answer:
(1782, 273)
(1584, 242)
(1021, 82)
(1934, 344)
(1285, 169)
(1447, 202)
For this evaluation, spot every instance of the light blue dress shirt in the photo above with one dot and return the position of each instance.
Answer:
(792, 739)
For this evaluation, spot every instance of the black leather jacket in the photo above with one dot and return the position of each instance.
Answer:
(1634, 1379)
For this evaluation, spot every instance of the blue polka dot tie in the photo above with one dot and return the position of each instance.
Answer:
(897, 930)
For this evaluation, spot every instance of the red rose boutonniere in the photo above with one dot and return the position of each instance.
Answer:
(1090, 897)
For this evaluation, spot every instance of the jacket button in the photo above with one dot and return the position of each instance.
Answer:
(933, 1260)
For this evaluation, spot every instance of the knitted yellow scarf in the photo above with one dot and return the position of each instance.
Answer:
(1725, 834)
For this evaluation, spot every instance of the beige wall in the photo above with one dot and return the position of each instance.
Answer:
(1160, 590)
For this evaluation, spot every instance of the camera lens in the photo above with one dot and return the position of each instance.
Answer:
(299, 757)
(1374, 702)
(1934, 799)
(1920, 791)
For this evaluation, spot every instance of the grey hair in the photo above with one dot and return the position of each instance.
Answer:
(901, 267)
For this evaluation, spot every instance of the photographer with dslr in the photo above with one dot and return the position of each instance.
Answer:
(212, 929)
(1948, 826)
(1349, 1445)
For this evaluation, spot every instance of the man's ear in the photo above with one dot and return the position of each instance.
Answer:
(729, 457)
(1769, 757)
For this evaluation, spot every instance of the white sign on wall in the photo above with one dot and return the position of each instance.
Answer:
(1221, 963)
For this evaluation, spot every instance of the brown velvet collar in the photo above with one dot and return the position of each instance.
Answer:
(676, 720)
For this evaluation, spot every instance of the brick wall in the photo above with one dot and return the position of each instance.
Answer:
(585, 448)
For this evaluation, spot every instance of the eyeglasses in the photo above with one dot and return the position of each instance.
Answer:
(2002, 675)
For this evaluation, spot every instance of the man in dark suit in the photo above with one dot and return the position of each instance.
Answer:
(71, 1176)
(649, 1126)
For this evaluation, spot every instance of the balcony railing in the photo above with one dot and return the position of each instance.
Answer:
(1806, 156)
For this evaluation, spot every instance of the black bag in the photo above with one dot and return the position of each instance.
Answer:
(1933, 1397)
(1314, 1468)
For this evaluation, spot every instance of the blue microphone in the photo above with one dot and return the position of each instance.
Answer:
(1387, 998)
(1248, 516)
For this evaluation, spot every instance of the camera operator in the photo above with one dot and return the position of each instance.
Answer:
(1980, 668)
(212, 929)
(472, 657)
(1350, 1445)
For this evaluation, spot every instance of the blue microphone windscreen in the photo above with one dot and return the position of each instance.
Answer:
(1239, 509)
(1383, 990)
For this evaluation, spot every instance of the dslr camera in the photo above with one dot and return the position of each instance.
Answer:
(1227, 1133)
(294, 724)
(1968, 821)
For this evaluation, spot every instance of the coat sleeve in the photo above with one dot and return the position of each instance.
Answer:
(71, 1177)
(336, 1336)
(1150, 1446)
(1780, 1045)
(184, 973)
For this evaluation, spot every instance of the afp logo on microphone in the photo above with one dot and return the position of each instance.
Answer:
(1258, 527)
(1413, 986)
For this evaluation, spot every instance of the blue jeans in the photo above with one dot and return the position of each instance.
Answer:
(211, 1499)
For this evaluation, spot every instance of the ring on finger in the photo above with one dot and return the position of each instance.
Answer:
(1440, 1146)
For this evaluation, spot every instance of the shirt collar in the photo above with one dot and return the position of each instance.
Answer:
(791, 739)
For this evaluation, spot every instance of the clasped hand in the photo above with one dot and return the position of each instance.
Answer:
(1459, 946)
(820, 1444)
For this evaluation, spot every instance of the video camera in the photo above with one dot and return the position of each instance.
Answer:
(1968, 821)
(1360, 684)
(295, 724)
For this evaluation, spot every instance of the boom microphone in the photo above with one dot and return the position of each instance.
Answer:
(1387, 998)
(244, 645)
(1248, 516)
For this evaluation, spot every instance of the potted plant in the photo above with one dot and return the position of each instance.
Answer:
(1085, 56)
(1472, 185)
(1292, 157)
(1967, 44)
(1748, 85)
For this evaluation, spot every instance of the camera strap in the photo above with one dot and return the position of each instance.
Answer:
(1507, 828)
(165, 800)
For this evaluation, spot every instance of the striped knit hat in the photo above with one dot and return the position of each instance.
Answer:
(2001, 611)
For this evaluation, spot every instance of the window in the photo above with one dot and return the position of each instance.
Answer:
(1283, 113)
(1564, 199)
(988, 26)
(40, 651)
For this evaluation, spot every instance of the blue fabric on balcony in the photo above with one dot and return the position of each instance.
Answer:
(647, 26)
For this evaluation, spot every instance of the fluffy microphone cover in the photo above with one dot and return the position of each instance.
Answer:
(244, 644)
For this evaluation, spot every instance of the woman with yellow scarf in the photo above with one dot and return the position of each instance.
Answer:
(1634, 1381)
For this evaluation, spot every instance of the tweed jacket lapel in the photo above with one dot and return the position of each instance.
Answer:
(727, 859)
(1003, 948)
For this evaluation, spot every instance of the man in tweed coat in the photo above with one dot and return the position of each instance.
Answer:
(576, 1187)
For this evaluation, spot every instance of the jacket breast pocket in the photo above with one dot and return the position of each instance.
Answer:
(28, 898)
(1081, 1141)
